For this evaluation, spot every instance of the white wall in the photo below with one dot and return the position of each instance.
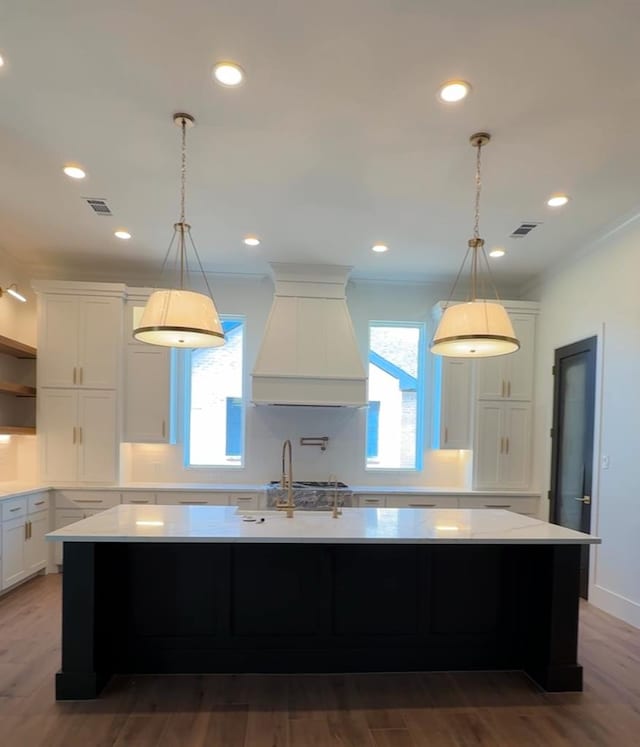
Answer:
(267, 427)
(598, 295)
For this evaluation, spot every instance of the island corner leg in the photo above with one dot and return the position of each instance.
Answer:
(549, 611)
(84, 663)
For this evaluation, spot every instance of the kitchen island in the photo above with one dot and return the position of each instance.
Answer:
(190, 589)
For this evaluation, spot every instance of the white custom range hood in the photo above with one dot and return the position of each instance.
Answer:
(309, 354)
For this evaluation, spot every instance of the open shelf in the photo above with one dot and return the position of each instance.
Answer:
(16, 349)
(17, 430)
(19, 390)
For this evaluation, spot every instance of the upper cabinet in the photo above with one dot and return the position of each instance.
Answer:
(452, 407)
(510, 377)
(80, 341)
(149, 375)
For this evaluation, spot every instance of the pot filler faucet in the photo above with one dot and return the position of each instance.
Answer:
(286, 481)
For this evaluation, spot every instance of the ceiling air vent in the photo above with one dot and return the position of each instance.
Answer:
(98, 205)
(523, 229)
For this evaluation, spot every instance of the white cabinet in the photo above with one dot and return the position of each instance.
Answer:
(244, 500)
(149, 402)
(502, 454)
(191, 498)
(79, 341)
(414, 500)
(510, 377)
(78, 435)
(452, 406)
(25, 522)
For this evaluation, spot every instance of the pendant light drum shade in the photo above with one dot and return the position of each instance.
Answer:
(180, 319)
(475, 329)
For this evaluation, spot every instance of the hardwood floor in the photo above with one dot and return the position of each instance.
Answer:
(467, 709)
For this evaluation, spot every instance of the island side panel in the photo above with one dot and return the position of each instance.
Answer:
(91, 617)
(549, 601)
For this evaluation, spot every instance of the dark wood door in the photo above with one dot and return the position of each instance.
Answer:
(572, 442)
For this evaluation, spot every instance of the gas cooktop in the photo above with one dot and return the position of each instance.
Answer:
(313, 484)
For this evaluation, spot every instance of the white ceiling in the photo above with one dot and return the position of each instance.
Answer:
(336, 141)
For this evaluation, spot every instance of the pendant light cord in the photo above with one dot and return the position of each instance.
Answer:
(476, 217)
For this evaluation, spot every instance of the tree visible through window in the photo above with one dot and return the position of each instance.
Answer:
(394, 417)
(215, 410)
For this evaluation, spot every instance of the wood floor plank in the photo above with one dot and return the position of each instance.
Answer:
(445, 709)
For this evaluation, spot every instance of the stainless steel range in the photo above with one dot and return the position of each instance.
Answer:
(310, 495)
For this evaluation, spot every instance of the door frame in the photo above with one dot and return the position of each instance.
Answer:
(591, 469)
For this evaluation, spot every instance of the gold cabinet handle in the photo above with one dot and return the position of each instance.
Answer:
(38, 503)
(87, 500)
(17, 508)
(74, 374)
(164, 429)
(497, 505)
(509, 389)
(446, 435)
(81, 374)
(74, 434)
(80, 434)
(26, 530)
(30, 530)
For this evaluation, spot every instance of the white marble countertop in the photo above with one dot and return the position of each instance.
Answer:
(15, 490)
(151, 523)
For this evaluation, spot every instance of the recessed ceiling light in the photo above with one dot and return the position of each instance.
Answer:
(251, 240)
(121, 234)
(558, 200)
(379, 248)
(497, 252)
(75, 172)
(453, 91)
(228, 74)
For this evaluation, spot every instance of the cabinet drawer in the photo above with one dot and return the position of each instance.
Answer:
(138, 496)
(37, 502)
(371, 501)
(90, 499)
(14, 508)
(244, 500)
(191, 498)
(518, 505)
(421, 501)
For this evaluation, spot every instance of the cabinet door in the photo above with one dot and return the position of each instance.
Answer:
(58, 341)
(35, 547)
(517, 446)
(487, 454)
(13, 542)
(491, 376)
(520, 365)
(58, 434)
(455, 415)
(99, 342)
(97, 438)
(147, 394)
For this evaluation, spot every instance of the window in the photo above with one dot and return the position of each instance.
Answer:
(396, 385)
(214, 403)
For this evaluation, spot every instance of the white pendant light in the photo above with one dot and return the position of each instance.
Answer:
(476, 328)
(181, 318)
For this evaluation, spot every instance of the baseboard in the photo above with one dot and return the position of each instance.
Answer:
(615, 604)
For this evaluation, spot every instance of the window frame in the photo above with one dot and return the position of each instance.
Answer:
(186, 410)
(420, 395)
